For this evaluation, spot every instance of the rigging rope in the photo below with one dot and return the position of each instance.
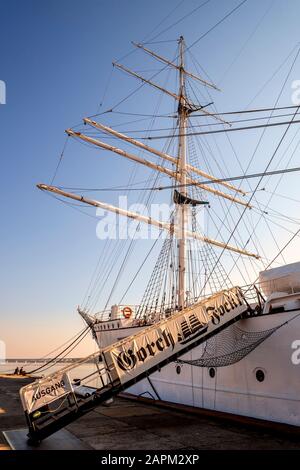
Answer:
(188, 48)
(260, 139)
(238, 55)
(248, 215)
(80, 336)
(216, 24)
(60, 160)
(261, 178)
(156, 27)
(129, 250)
(222, 131)
(160, 188)
(192, 126)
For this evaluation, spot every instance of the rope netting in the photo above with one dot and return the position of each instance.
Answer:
(230, 346)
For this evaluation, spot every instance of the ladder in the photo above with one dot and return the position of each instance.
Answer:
(55, 401)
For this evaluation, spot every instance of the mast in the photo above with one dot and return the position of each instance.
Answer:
(182, 208)
(180, 171)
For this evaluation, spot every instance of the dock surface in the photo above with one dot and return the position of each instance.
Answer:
(134, 425)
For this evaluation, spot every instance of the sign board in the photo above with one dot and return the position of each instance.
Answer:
(43, 392)
(132, 356)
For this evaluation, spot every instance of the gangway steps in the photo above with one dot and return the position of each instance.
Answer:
(55, 401)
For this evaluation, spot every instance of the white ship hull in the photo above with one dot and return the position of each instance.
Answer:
(234, 388)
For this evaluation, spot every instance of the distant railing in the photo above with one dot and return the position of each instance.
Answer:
(106, 315)
(148, 315)
(41, 360)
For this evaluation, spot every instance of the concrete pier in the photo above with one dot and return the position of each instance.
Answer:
(136, 425)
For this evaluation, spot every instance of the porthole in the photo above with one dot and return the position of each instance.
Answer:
(260, 375)
(212, 372)
(178, 369)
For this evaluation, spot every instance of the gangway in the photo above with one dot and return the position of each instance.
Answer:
(55, 401)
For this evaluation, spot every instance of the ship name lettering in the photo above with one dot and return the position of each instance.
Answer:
(127, 360)
(216, 312)
(48, 390)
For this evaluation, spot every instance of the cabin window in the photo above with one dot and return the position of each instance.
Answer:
(260, 375)
(178, 370)
(212, 372)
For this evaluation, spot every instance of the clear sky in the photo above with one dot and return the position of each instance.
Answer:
(55, 60)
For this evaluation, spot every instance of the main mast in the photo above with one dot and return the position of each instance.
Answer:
(183, 174)
(182, 208)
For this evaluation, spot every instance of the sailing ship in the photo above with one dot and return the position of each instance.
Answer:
(251, 367)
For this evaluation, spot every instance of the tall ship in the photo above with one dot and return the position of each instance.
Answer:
(231, 303)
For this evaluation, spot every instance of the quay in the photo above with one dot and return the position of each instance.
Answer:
(131, 424)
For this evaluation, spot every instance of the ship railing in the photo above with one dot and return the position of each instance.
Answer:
(253, 296)
(148, 315)
(103, 315)
(106, 315)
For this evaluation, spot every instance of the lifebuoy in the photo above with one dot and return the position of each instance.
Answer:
(127, 312)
